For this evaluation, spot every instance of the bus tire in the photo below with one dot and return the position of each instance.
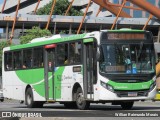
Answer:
(80, 102)
(29, 99)
(127, 105)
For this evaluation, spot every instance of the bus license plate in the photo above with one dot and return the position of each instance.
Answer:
(132, 94)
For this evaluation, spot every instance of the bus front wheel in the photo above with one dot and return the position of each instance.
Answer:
(29, 98)
(127, 105)
(82, 104)
(30, 101)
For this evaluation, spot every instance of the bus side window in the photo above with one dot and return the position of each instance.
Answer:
(17, 60)
(75, 53)
(38, 57)
(62, 54)
(27, 58)
(8, 61)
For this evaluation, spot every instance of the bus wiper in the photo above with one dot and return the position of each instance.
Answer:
(116, 46)
(141, 47)
(139, 55)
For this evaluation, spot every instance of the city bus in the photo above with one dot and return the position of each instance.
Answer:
(157, 50)
(107, 66)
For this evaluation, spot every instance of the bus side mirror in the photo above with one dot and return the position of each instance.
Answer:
(157, 59)
(98, 56)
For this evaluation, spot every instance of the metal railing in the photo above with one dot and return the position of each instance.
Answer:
(16, 35)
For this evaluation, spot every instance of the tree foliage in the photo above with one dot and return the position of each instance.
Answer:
(2, 45)
(60, 9)
(35, 32)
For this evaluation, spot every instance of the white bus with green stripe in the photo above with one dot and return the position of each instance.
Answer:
(115, 66)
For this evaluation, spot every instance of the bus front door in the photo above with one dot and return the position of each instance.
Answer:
(89, 68)
(49, 62)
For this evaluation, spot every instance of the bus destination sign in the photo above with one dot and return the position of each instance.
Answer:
(126, 36)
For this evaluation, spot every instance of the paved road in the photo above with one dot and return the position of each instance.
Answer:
(96, 110)
(13, 105)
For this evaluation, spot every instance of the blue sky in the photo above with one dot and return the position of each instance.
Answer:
(1, 1)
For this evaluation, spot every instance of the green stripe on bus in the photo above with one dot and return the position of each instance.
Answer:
(58, 40)
(31, 76)
(131, 86)
(88, 40)
(58, 82)
(36, 77)
(40, 89)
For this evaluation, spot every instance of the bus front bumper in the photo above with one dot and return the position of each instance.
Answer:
(107, 95)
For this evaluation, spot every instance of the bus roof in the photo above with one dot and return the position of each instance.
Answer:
(62, 38)
(47, 41)
(126, 30)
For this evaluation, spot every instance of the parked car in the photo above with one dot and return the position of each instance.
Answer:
(1, 96)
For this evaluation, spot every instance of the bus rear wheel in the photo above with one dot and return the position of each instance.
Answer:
(81, 103)
(127, 105)
(30, 101)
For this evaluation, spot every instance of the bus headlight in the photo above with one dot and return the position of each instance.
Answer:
(154, 78)
(152, 86)
(108, 87)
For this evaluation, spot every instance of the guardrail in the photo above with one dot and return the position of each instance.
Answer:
(76, 19)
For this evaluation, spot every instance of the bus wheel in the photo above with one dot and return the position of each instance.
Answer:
(81, 103)
(29, 99)
(127, 105)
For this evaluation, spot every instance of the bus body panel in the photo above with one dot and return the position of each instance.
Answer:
(37, 97)
(15, 88)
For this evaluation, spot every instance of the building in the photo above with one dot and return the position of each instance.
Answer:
(136, 13)
(28, 6)
(93, 9)
(104, 13)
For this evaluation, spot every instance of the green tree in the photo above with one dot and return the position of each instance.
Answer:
(2, 45)
(60, 9)
(35, 32)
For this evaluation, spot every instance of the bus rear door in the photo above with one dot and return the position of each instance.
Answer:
(49, 62)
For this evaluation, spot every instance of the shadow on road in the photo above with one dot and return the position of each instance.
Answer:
(150, 106)
(92, 107)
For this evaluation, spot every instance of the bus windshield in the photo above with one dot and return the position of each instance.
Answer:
(127, 58)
